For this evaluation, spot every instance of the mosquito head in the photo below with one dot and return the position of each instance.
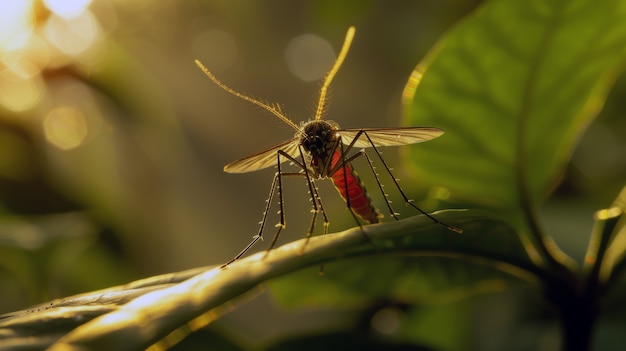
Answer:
(319, 139)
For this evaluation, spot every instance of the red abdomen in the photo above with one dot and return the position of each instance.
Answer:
(360, 202)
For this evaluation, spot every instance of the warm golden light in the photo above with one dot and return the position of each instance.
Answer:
(19, 93)
(72, 36)
(67, 8)
(608, 213)
(16, 23)
(65, 127)
(39, 34)
(411, 85)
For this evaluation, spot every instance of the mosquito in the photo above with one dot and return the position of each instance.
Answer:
(321, 149)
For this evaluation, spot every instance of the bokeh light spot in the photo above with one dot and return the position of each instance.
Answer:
(16, 23)
(73, 36)
(65, 127)
(439, 193)
(67, 8)
(309, 57)
(386, 321)
(19, 93)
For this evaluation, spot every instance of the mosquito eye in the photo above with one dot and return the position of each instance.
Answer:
(318, 143)
(314, 144)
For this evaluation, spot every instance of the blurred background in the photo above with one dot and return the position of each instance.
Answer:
(112, 141)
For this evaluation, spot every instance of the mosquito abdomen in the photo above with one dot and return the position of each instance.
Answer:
(349, 184)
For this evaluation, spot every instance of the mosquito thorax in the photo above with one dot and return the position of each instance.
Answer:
(319, 139)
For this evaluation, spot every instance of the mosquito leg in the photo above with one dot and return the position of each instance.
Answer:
(395, 181)
(281, 208)
(317, 207)
(326, 221)
(326, 224)
(276, 183)
(316, 203)
(282, 224)
(314, 200)
(254, 240)
(262, 223)
(393, 213)
(360, 153)
(343, 164)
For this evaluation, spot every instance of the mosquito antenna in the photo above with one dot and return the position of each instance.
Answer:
(333, 71)
(274, 108)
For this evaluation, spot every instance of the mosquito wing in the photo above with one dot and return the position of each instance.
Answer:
(263, 159)
(389, 136)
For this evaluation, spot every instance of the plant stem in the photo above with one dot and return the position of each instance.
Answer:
(578, 317)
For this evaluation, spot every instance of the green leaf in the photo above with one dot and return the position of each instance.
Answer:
(139, 314)
(342, 341)
(514, 86)
(41, 326)
(436, 266)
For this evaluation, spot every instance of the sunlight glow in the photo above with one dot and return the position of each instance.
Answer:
(29, 60)
(37, 35)
(16, 22)
(605, 214)
(19, 93)
(411, 85)
(73, 36)
(67, 8)
(65, 127)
